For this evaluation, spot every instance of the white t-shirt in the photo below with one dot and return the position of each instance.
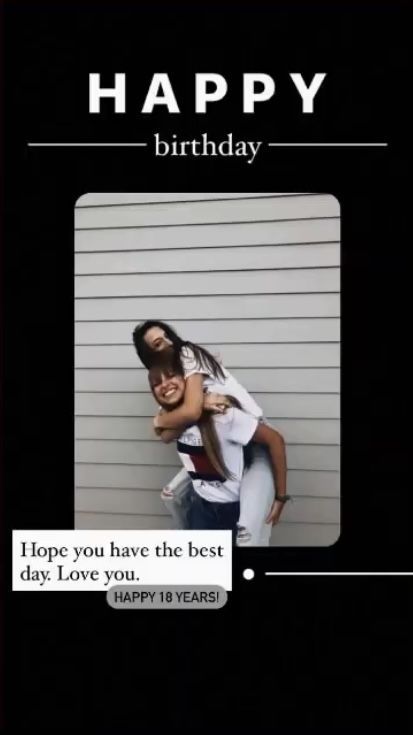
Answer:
(234, 429)
(229, 386)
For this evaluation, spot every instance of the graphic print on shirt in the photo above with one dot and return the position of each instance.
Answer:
(196, 460)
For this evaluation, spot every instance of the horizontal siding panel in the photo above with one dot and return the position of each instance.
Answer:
(277, 330)
(309, 431)
(94, 521)
(282, 405)
(319, 484)
(126, 452)
(207, 212)
(223, 259)
(169, 308)
(209, 236)
(313, 458)
(304, 534)
(298, 380)
(103, 198)
(154, 452)
(148, 502)
(295, 431)
(312, 510)
(113, 427)
(233, 356)
(188, 284)
(118, 500)
(311, 482)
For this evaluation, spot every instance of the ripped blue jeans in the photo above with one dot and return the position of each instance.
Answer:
(256, 498)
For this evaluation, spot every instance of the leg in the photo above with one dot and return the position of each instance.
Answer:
(176, 495)
(257, 495)
(227, 515)
(201, 514)
(213, 516)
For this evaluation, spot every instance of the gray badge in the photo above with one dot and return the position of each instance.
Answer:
(157, 597)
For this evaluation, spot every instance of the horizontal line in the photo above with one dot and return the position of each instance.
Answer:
(205, 224)
(139, 416)
(87, 145)
(117, 513)
(255, 392)
(163, 515)
(127, 464)
(227, 344)
(129, 440)
(166, 515)
(303, 469)
(196, 248)
(109, 513)
(132, 322)
(115, 297)
(158, 490)
(328, 145)
(134, 145)
(122, 389)
(191, 295)
(238, 367)
(338, 574)
(214, 319)
(209, 270)
(179, 466)
(132, 489)
(257, 195)
(148, 418)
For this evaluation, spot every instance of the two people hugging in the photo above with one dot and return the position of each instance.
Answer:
(234, 463)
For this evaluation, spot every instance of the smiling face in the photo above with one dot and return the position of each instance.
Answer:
(167, 387)
(156, 339)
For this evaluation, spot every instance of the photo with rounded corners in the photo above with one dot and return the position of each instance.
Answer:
(207, 364)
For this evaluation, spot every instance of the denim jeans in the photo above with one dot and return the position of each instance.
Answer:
(177, 498)
(257, 495)
(204, 515)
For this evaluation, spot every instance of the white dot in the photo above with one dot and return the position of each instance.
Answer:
(248, 574)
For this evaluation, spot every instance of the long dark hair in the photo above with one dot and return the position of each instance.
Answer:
(149, 357)
(212, 444)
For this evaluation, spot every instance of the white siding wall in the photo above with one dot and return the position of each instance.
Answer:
(255, 277)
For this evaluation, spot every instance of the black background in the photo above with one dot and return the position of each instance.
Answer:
(285, 653)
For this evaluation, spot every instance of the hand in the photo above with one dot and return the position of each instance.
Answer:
(216, 403)
(275, 512)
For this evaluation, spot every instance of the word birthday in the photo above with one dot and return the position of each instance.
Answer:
(209, 88)
(205, 147)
